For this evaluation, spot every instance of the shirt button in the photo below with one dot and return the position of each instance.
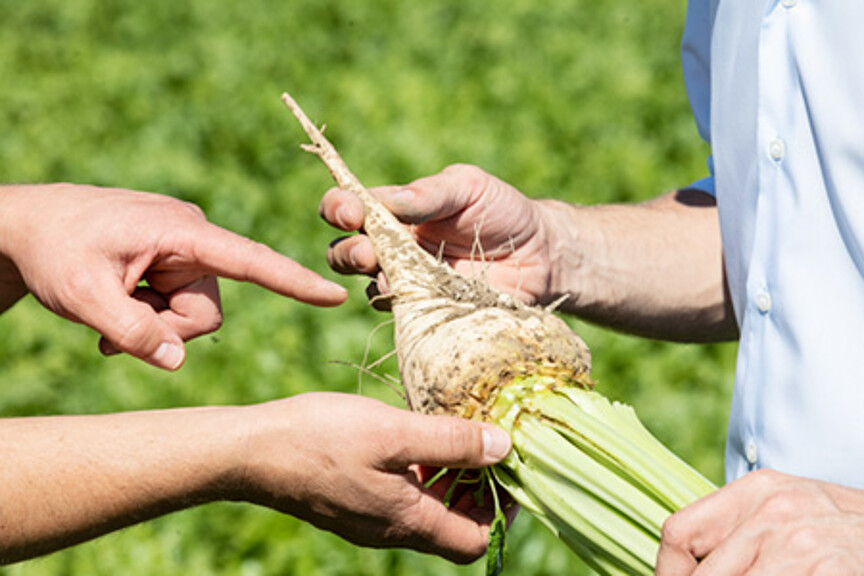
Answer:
(777, 150)
(789, 3)
(763, 302)
(751, 453)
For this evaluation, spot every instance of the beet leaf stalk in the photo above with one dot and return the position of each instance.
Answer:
(587, 468)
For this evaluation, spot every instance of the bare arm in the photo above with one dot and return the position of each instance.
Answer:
(345, 463)
(653, 269)
(67, 479)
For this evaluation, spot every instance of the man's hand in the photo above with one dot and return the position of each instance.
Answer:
(351, 465)
(84, 251)
(653, 269)
(767, 523)
(479, 224)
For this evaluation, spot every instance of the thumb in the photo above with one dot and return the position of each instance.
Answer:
(436, 197)
(448, 442)
(134, 327)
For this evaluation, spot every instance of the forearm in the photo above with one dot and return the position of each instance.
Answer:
(653, 269)
(64, 480)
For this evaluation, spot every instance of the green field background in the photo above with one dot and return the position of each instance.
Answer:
(578, 99)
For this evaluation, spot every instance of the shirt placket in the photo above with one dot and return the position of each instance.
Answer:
(763, 291)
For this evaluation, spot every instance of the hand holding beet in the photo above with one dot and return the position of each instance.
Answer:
(349, 465)
(480, 225)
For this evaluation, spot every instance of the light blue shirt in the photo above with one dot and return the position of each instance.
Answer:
(777, 89)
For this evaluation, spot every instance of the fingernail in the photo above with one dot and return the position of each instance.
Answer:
(169, 355)
(338, 291)
(496, 443)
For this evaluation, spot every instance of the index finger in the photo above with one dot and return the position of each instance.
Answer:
(448, 533)
(696, 530)
(224, 253)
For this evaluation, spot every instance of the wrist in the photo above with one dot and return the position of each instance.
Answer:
(225, 472)
(261, 466)
(562, 240)
(188, 456)
(199, 451)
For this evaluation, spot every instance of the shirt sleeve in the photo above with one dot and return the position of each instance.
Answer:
(706, 184)
(696, 64)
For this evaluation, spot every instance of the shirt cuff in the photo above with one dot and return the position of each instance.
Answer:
(706, 184)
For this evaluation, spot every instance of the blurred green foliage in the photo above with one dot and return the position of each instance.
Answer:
(574, 99)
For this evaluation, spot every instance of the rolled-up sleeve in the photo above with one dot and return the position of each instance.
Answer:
(696, 64)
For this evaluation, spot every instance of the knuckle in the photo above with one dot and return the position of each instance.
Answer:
(837, 563)
(674, 533)
(396, 533)
(205, 325)
(464, 441)
(469, 552)
(462, 170)
(406, 526)
(253, 247)
(425, 528)
(247, 255)
(194, 209)
(473, 182)
(176, 209)
(76, 288)
(387, 444)
(782, 504)
(472, 555)
(472, 177)
(76, 296)
(198, 310)
(805, 537)
(216, 321)
(763, 478)
(421, 522)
